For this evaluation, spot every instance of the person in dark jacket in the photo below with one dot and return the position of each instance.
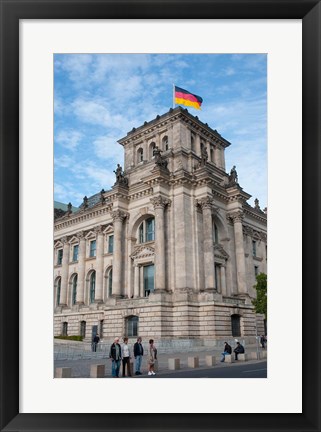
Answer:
(138, 354)
(227, 350)
(238, 350)
(95, 343)
(263, 341)
(115, 356)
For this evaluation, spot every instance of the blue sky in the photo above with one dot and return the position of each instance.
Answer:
(99, 98)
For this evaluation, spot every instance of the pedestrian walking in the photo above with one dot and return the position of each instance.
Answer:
(126, 357)
(227, 350)
(115, 356)
(152, 357)
(95, 342)
(138, 354)
(238, 350)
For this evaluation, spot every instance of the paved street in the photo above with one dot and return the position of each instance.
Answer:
(248, 369)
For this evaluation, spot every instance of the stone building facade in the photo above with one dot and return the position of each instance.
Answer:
(171, 251)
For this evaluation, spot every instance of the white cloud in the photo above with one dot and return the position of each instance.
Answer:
(69, 138)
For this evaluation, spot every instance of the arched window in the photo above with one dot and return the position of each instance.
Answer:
(215, 233)
(74, 290)
(132, 326)
(92, 287)
(140, 155)
(236, 325)
(165, 143)
(58, 292)
(151, 150)
(147, 230)
(110, 282)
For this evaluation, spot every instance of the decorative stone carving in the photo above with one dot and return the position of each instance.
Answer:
(120, 176)
(118, 215)
(98, 229)
(81, 235)
(236, 216)
(69, 209)
(204, 156)
(232, 178)
(160, 202)
(206, 202)
(102, 198)
(85, 202)
(159, 159)
(220, 252)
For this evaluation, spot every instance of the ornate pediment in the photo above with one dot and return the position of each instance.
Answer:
(220, 252)
(143, 252)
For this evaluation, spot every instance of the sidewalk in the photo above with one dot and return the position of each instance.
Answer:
(81, 367)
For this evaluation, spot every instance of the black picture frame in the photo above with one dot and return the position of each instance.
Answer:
(11, 12)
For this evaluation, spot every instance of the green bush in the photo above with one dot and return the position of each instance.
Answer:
(74, 338)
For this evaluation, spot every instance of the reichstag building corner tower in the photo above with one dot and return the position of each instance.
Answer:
(170, 252)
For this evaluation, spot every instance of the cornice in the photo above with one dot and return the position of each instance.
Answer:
(74, 219)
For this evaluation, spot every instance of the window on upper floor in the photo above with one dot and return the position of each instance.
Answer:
(75, 251)
(165, 143)
(147, 230)
(58, 292)
(92, 287)
(110, 282)
(60, 253)
(74, 290)
(92, 248)
(256, 270)
(193, 143)
(140, 155)
(215, 232)
(148, 274)
(110, 244)
(254, 248)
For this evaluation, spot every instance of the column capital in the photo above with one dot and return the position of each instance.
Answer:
(81, 235)
(99, 229)
(160, 202)
(64, 240)
(236, 216)
(205, 203)
(118, 215)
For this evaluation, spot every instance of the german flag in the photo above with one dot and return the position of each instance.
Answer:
(184, 97)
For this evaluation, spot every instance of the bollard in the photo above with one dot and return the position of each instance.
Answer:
(131, 368)
(174, 363)
(210, 360)
(229, 358)
(63, 372)
(242, 357)
(254, 355)
(193, 362)
(97, 371)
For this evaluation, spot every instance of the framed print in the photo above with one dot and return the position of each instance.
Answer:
(31, 34)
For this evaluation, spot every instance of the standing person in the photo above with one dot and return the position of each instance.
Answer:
(95, 342)
(238, 350)
(263, 341)
(138, 354)
(152, 358)
(115, 356)
(126, 357)
(227, 350)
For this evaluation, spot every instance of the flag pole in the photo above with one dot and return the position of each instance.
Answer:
(173, 95)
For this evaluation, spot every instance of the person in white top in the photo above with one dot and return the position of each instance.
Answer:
(126, 357)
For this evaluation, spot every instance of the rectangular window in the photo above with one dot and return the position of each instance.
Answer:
(150, 229)
(132, 326)
(148, 279)
(256, 270)
(111, 244)
(254, 248)
(92, 252)
(75, 253)
(59, 257)
(217, 277)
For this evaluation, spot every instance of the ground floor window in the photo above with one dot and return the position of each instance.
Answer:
(148, 279)
(83, 329)
(132, 326)
(65, 329)
(236, 325)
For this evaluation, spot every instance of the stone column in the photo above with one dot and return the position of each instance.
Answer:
(237, 218)
(160, 276)
(64, 272)
(209, 268)
(217, 156)
(118, 218)
(81, 269)
(136, 280)
(99, 265)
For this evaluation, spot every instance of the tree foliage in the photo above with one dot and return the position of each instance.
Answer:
(260, 303)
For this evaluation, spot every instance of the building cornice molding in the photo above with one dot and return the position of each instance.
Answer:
(77, 218)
